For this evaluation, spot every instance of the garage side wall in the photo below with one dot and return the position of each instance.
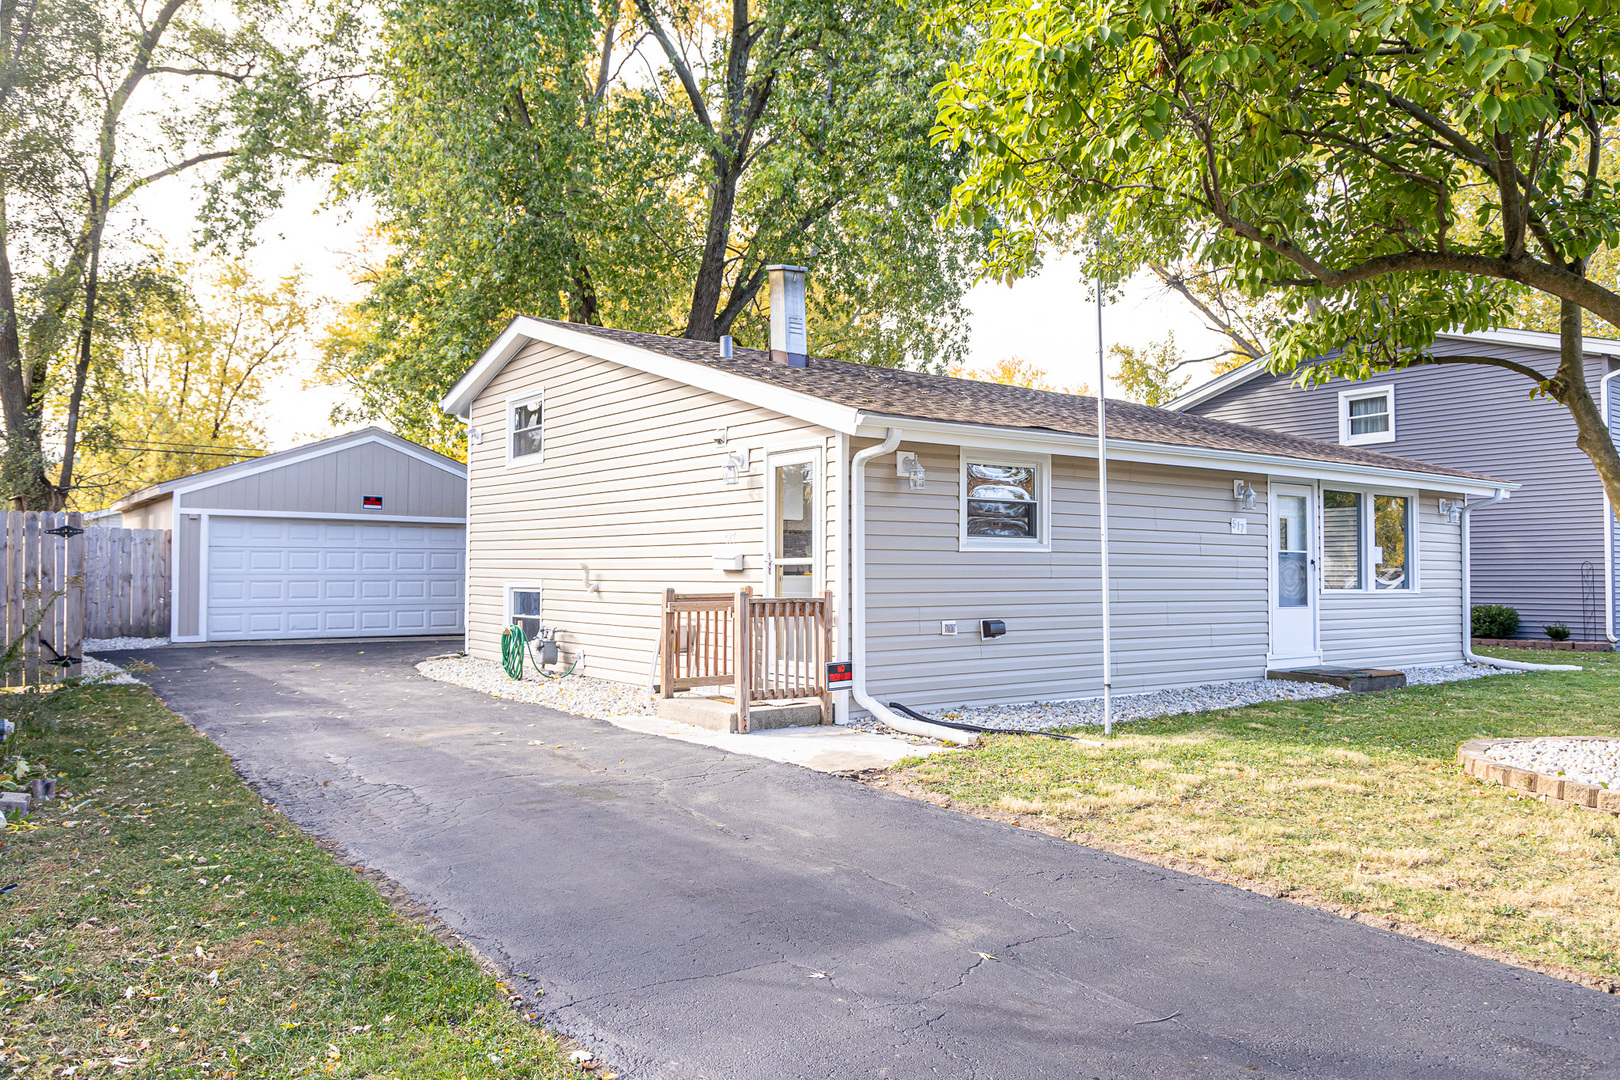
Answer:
(187, 572)
(334, 484)
(1189, 600)
(157, 514)
(627, 496)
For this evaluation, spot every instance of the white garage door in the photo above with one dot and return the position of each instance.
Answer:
(286, 578)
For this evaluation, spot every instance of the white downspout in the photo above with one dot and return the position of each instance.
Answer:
(857, 547)
(1468, 603)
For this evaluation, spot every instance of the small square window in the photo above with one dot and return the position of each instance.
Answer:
(523, 610)
(524, 424)
(1002, 501)
(1367, 416)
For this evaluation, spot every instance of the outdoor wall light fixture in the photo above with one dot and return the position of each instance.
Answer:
(1452, 509)
(1243, 494)
(475, 435)
(733, 467)
(907, 465)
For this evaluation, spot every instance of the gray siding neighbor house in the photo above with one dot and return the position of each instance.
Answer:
(605, 467)
(1543, 550)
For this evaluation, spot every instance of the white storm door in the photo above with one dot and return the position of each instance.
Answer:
(792, 523)
(1293, 576)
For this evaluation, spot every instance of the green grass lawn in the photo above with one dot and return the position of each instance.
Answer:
(1353, 801)
(167, 923)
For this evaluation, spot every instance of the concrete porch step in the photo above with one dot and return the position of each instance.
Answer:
(1355, 680)
(720, 714)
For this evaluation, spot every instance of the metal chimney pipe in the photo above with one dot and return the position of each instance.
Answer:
(790, 341)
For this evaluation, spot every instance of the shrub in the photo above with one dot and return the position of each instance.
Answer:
(1495, 621)
(1557, 631)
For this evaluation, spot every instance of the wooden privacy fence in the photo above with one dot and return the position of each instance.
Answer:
(43, 566)
(62, 583)
(765, 648)
(126, 583)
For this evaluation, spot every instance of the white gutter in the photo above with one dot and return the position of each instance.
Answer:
(1608, 531)
(1102, 521)
(857, 547)
(1468, 604)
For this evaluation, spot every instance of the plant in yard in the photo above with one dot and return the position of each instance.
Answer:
(1557, 631)
(1495, 621)
(1378, 171)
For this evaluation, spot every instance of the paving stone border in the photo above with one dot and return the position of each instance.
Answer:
(1472, 756)
(1537, 643)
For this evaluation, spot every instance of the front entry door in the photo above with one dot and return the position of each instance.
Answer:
(1293, 569)
(791, 523)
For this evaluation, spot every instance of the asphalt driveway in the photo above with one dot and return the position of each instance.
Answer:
(690, 913)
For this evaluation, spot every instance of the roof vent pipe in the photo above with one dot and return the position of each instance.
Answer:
(790, 343)
(725, 346)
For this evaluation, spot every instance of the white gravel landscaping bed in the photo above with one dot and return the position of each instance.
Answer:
(1587, 761)
(102, 673)
(117, 644)
(595, 699)
(1085, 712)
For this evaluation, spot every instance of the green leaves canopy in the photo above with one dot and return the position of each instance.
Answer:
(1382, 170)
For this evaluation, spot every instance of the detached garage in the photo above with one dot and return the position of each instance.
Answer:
(361, 535)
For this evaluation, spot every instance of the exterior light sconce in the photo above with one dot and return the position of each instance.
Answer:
(475, 435)
(1243, 494)
(733, 467)
(1452, 509)
(907, 465)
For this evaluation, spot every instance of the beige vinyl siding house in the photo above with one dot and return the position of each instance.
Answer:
(649, 463)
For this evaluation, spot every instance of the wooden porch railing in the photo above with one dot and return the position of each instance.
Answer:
(780, 651)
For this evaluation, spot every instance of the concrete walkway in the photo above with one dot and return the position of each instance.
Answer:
(694, 913)
(829, 749)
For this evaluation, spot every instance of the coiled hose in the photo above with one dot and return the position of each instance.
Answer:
(515, 646)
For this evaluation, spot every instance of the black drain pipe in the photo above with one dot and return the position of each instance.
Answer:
(915, 715)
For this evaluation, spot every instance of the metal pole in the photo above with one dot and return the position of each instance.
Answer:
(1102, 519)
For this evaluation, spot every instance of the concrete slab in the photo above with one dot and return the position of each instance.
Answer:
(720, 714)
(829, 749)
(1355, 680)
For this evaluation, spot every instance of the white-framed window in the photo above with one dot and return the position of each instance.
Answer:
(1367, 415)
(1369, 540)
(1005, 501)
(523, 607)
(524, 438)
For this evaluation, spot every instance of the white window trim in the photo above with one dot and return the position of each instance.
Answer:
(1414, 531)
(1043, 504)
(1365, 393)
(537, 397)
(510, 587)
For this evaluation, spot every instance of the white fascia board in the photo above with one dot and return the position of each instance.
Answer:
(800, 406)
(1534, 339)
(1085, 446)
(270, 462)
(1218, 385)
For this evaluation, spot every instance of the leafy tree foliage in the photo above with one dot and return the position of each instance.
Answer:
(1378, 170)
(639, 164)
(1150, 374)
(183, 359)
(100, 101)
(1016, 371)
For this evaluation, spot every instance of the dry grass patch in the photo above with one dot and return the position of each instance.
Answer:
(1349, 801)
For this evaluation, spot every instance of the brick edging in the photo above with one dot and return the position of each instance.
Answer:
(1553, 789)
(1537, 643)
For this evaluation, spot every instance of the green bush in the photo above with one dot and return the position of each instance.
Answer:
(1495, 621)
(1557, 631)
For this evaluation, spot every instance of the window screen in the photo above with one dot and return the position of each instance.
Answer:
(1341, 540)
(1369, 416)
(526, 428)
(1391, 553)
(526, 611)
(1001, 501)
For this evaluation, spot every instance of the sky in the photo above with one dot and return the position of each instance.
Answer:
(1048, 320)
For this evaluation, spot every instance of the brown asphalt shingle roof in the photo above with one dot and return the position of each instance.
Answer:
(917, 395)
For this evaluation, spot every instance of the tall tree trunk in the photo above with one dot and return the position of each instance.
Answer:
(701, 324)
(24, 477)
(1569, 387)
(87, 336)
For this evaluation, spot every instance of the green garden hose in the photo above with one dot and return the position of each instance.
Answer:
(515, 645)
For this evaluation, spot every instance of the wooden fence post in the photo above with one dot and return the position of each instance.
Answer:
(667, 646)
(73, 603)
(31, 596)
(826, 643)
(744, 659)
